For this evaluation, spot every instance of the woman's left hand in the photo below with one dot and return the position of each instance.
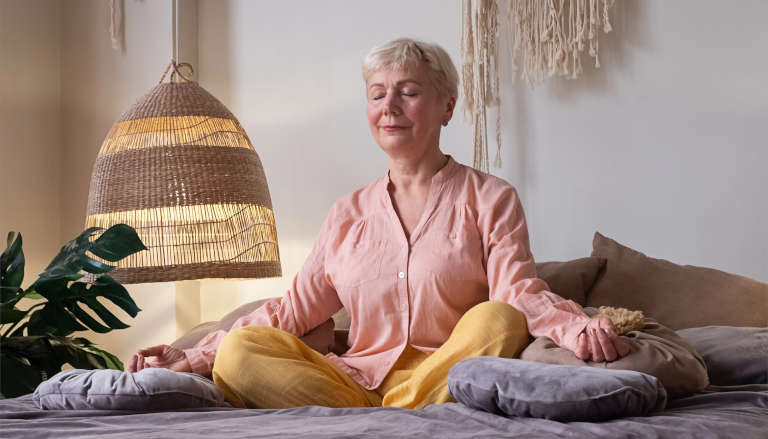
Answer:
(599, 342)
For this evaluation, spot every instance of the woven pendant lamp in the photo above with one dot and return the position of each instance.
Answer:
(180, 169)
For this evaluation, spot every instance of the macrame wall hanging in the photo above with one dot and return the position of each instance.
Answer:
(546, 38)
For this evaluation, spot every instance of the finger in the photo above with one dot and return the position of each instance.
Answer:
(582, 350)
(622, 347)
(141, 363)
(152, 351)
(603, 322)
(594, 345)
(132, 363)
(606, 344)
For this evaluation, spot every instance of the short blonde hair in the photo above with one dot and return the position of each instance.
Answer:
(403, 53)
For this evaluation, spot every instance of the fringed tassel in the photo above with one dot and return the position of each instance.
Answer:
(547, 38)
(549, 35)
(480, 72)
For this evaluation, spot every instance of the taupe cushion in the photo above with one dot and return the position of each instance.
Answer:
(679, 296)
(656, 350)
(571, 279)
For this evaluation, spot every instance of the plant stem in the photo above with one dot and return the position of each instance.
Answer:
(10, 330)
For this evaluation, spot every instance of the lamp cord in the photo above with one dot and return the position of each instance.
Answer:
(176, 50)
(175, 69)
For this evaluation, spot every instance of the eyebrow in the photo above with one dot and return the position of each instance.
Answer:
(397, 83)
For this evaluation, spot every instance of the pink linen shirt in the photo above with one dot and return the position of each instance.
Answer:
(470, 245)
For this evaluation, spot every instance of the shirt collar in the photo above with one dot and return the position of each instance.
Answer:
(442, 175)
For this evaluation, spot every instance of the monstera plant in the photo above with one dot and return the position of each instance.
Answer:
(36, 342)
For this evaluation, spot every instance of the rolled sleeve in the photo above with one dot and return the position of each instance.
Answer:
(512, 276)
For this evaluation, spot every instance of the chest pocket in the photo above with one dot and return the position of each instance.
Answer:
(456, 249)
(358, 263)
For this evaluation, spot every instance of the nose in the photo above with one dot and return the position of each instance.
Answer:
(391, 106)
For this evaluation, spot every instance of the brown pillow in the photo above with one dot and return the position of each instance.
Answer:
(656, 350)
(571, 279)
(679, 296)
(320, 338)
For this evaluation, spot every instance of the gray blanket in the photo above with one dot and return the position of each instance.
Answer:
(718, 412)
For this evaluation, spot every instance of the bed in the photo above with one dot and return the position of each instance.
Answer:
(733, 405)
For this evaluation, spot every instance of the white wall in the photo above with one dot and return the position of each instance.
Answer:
(663, 148)
(30, 129)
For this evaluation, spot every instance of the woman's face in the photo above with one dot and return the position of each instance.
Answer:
(405, 111)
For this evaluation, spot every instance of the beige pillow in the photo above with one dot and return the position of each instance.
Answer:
(656, 350)
(679, 296)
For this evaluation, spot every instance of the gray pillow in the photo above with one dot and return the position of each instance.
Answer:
(562, 393)
(109, 389)
(734, 355)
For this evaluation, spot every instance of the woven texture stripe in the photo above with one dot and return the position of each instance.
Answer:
(222, 233)
(180, 169)
(168, 176)
(175, 131)
(177, 99)
(250, 270)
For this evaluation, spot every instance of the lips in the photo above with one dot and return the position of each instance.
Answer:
(392, 128)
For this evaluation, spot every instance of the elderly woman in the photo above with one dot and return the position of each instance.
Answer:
(432, 262)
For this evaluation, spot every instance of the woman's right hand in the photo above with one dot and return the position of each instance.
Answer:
(166, 356)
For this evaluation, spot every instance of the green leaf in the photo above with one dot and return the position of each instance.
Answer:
(9, 314)
(12, 262)
(51, 289)
(110, 289)
(53, 319)
(104, 314)
(112, 362)
(89, 321)
(117, 242)
(32, 294)
(17, 376)
(10, 294)
(36, 350)
(95, 267)
(114, 244)
(68, 351)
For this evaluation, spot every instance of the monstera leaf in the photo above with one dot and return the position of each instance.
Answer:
(35, 343)
(26, 361)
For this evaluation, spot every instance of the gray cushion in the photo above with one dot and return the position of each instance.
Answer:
(563, 393)
(734, 355)
(108, 389)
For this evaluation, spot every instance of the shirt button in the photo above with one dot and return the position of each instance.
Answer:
(403, 306)
(401, 275)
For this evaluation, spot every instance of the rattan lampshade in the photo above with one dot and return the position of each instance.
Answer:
(180, 169)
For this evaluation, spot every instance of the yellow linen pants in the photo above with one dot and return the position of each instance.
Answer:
(263, 367)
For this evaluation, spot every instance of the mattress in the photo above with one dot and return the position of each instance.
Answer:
(717, 412)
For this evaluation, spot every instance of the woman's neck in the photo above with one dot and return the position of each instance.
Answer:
(408, 174)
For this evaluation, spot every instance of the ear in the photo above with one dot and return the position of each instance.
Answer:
(449, 107)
